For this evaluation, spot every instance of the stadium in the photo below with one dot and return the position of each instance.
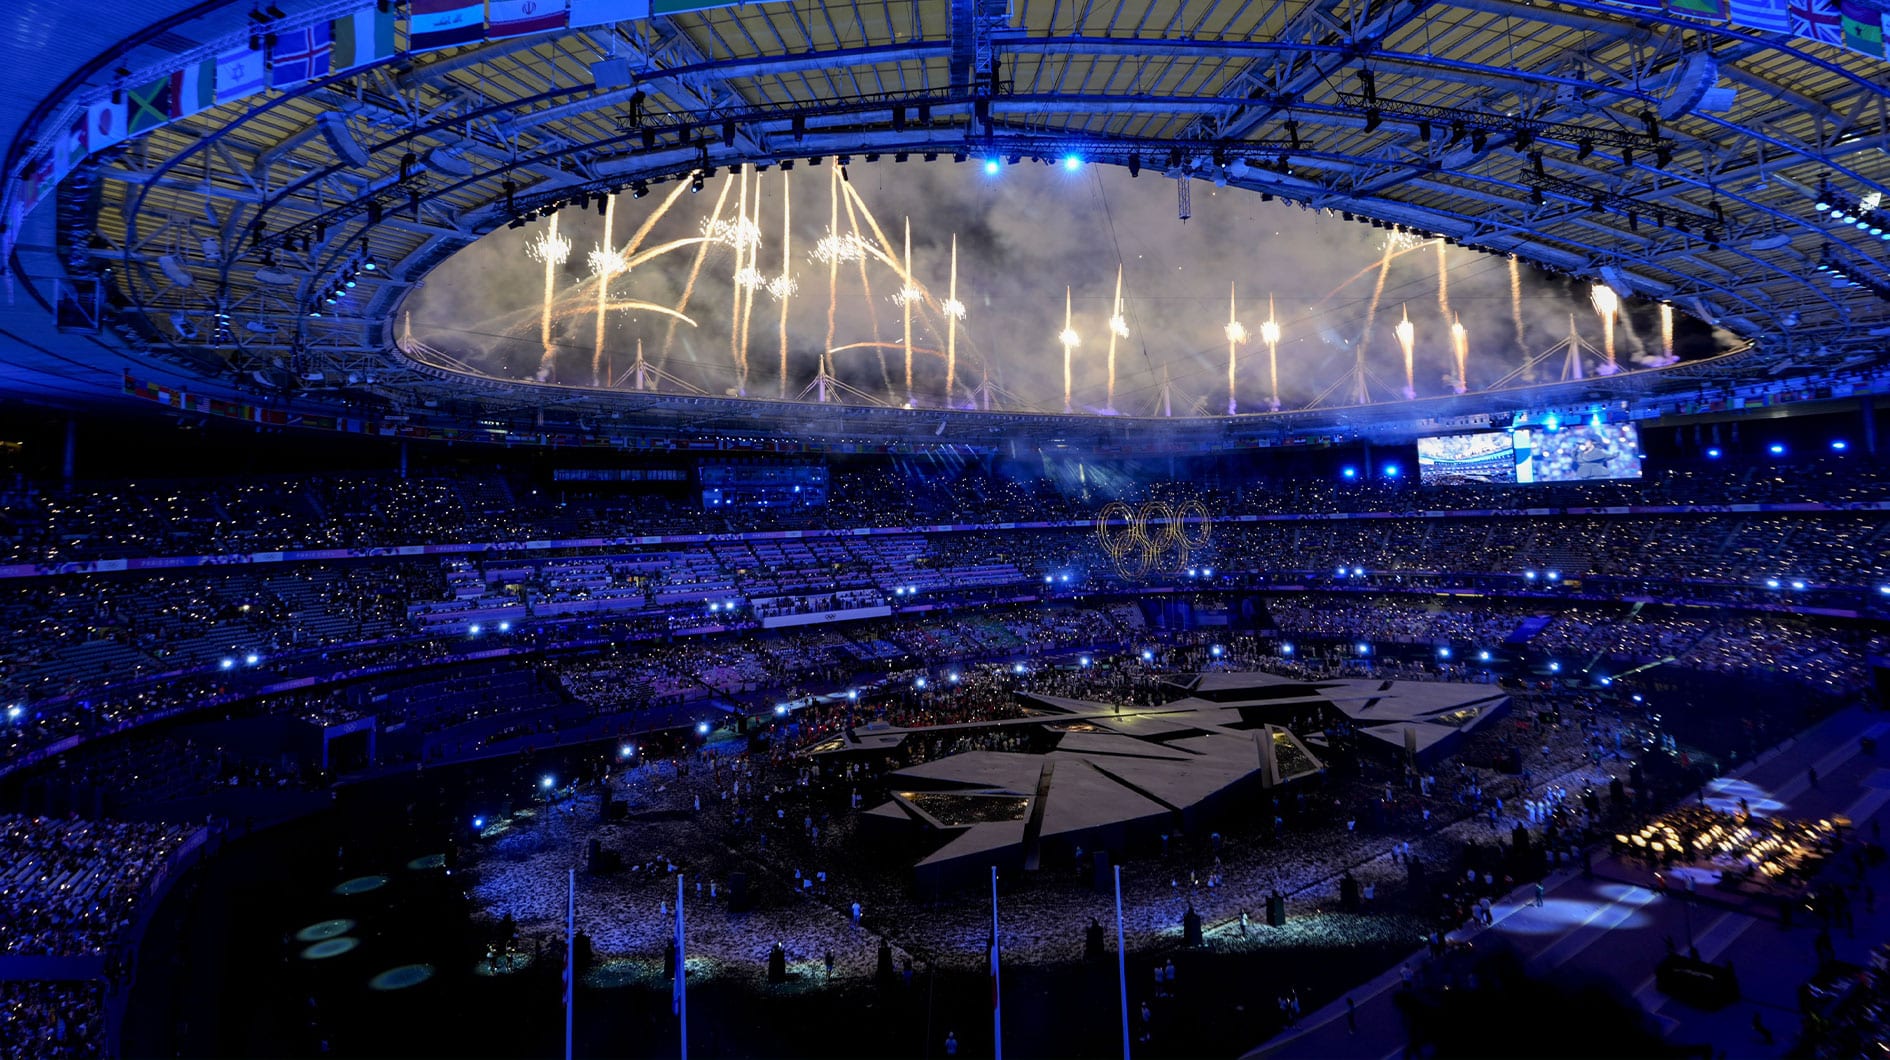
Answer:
(1323, 528)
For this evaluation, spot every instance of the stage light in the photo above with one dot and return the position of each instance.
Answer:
(1072, 162)
(1147, 656)
(780, 710)
(1364, 648)
(1555, 667)
(1555, 576)
(1216, 651)
(952, 677)
(1637, 697)
(227, 663)
(1529, 575)
(625, 751)
(1084, 661)
(478, 823)
(505, 627)
(547, 781)
(702, 728)
(1839, 444)
(474, 629)
(1018, 668)
(1391, 471)
(1063, 578)
(853, 695)
(1207, 572)
(918, 682)
(1884, 589)
(1340, 572)
(1713, 453)
(1348, 472)
(1552, 423)
(1443, 653)
(1604, 680)
(252, 659)
(1358, 572)
(1483, 656)
(1771, 583)
(1776, 449)
(1287, 648)
(14, 712)
(1798, 585)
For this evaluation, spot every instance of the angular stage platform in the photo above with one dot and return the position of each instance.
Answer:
(1118, 773)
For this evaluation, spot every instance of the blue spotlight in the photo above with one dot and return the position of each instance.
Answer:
(1443, 653)
(991, 167)
(1483, 656)
(227, 663)
(1798, 585)
(505, 627)
(1392, 471)
(1084, 661)
(1771, 583)
(1072, 162)
(1776, 449)
(1348, 472)
(473, 629)
(919, 683)
(1287, 648)
(478, 823)
(1555, 667)
(702, 728)
(1364, 648)
(252, 659)
(1216, 650)
(547, 782)
(1839, 444)
(1713, 453)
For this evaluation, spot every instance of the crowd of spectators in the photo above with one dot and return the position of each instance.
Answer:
(52, 1020)
(69, 886)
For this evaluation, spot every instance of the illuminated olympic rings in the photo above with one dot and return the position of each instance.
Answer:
(1145, 539)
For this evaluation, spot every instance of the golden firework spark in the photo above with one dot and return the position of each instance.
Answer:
(832, 249)
(1407, 341)
(1270, 334)
(1608, 304)
(550, 247)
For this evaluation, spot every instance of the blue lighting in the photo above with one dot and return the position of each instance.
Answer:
(1771, 583)
(952, 677)
(14, 712)
(1555, 667)
(780, 710)
(1216, 650)
(1207, 572)
(1713, 453)
(473, 629)
(626, 750)
(1391, 471)
(1147, 656)
(1072, 162)
(1364, 648)
(1017, 668)
(1529, 575)
(1286, 649)
(1553, 423)
(1884, 589)
(1483, 656)
(1798, 585)
(853, 695)
(991, 167)
(1839, 444)
(1776, 449)
(1555, 576)
(1443, 653)
(505, 627)
(919, 683)
(1358, 572)
(1348, 472)
(702, 728)
(547, 782)
(227, 663)
(1084, 661)
(1604, 680)
(478, 823)
(1341, 572)
(252, 659)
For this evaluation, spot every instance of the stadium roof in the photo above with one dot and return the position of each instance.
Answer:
(1669, 152)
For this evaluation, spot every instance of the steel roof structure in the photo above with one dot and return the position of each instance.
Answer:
(1680, 158)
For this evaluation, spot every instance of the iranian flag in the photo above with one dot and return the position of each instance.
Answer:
(516, 18)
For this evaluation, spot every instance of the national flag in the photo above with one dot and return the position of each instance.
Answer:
(367, 36)
(607, 12)
(301, 55)
(1713, 9)
(35, 182)
(194, 88)
(676, 7)
(1863, 27)
(1816, 20)
(239, 73)
(150, 105)
(70, 148)
(1767, 16)
(681, 981)
(104, 124)
(515, 18)
(444, 23)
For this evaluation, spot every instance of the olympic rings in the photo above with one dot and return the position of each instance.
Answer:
(1138, 540)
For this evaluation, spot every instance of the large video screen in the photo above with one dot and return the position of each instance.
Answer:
(1578, 453)
(1453, 459)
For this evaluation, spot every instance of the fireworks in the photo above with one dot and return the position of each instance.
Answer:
(738, 233)
(748, 278)
(1118, 329)
(606, 262)
(1070, 341)
(1398, 240)
(1068, 337)
(781, 286)
(550, 247)
(1407, 341)
(1236, 332)
(1118, 326)
(833, 249)
(1607, 303)
(1666, 333)
(1460, 342)
(953, 308)
(910, 294)
(1270, 334)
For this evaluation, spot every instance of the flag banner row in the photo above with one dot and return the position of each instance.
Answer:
(1854, 24)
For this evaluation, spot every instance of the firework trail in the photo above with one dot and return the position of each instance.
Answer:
(1460, 341)
(905, 307)
(1360, 391)
(1608, 304)
(833, 261)
(1069, 340)
(1443, 282)
(1666, 333)
(853, 226)
(605, 262)
(735, 287)
(1270, 331)
(1407, 341)
(1118, 327)
(954, 310)
(1516, 314)
(553, 250)
(695, 268)
(1236, 334)
(786, 288)
(749, 278)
